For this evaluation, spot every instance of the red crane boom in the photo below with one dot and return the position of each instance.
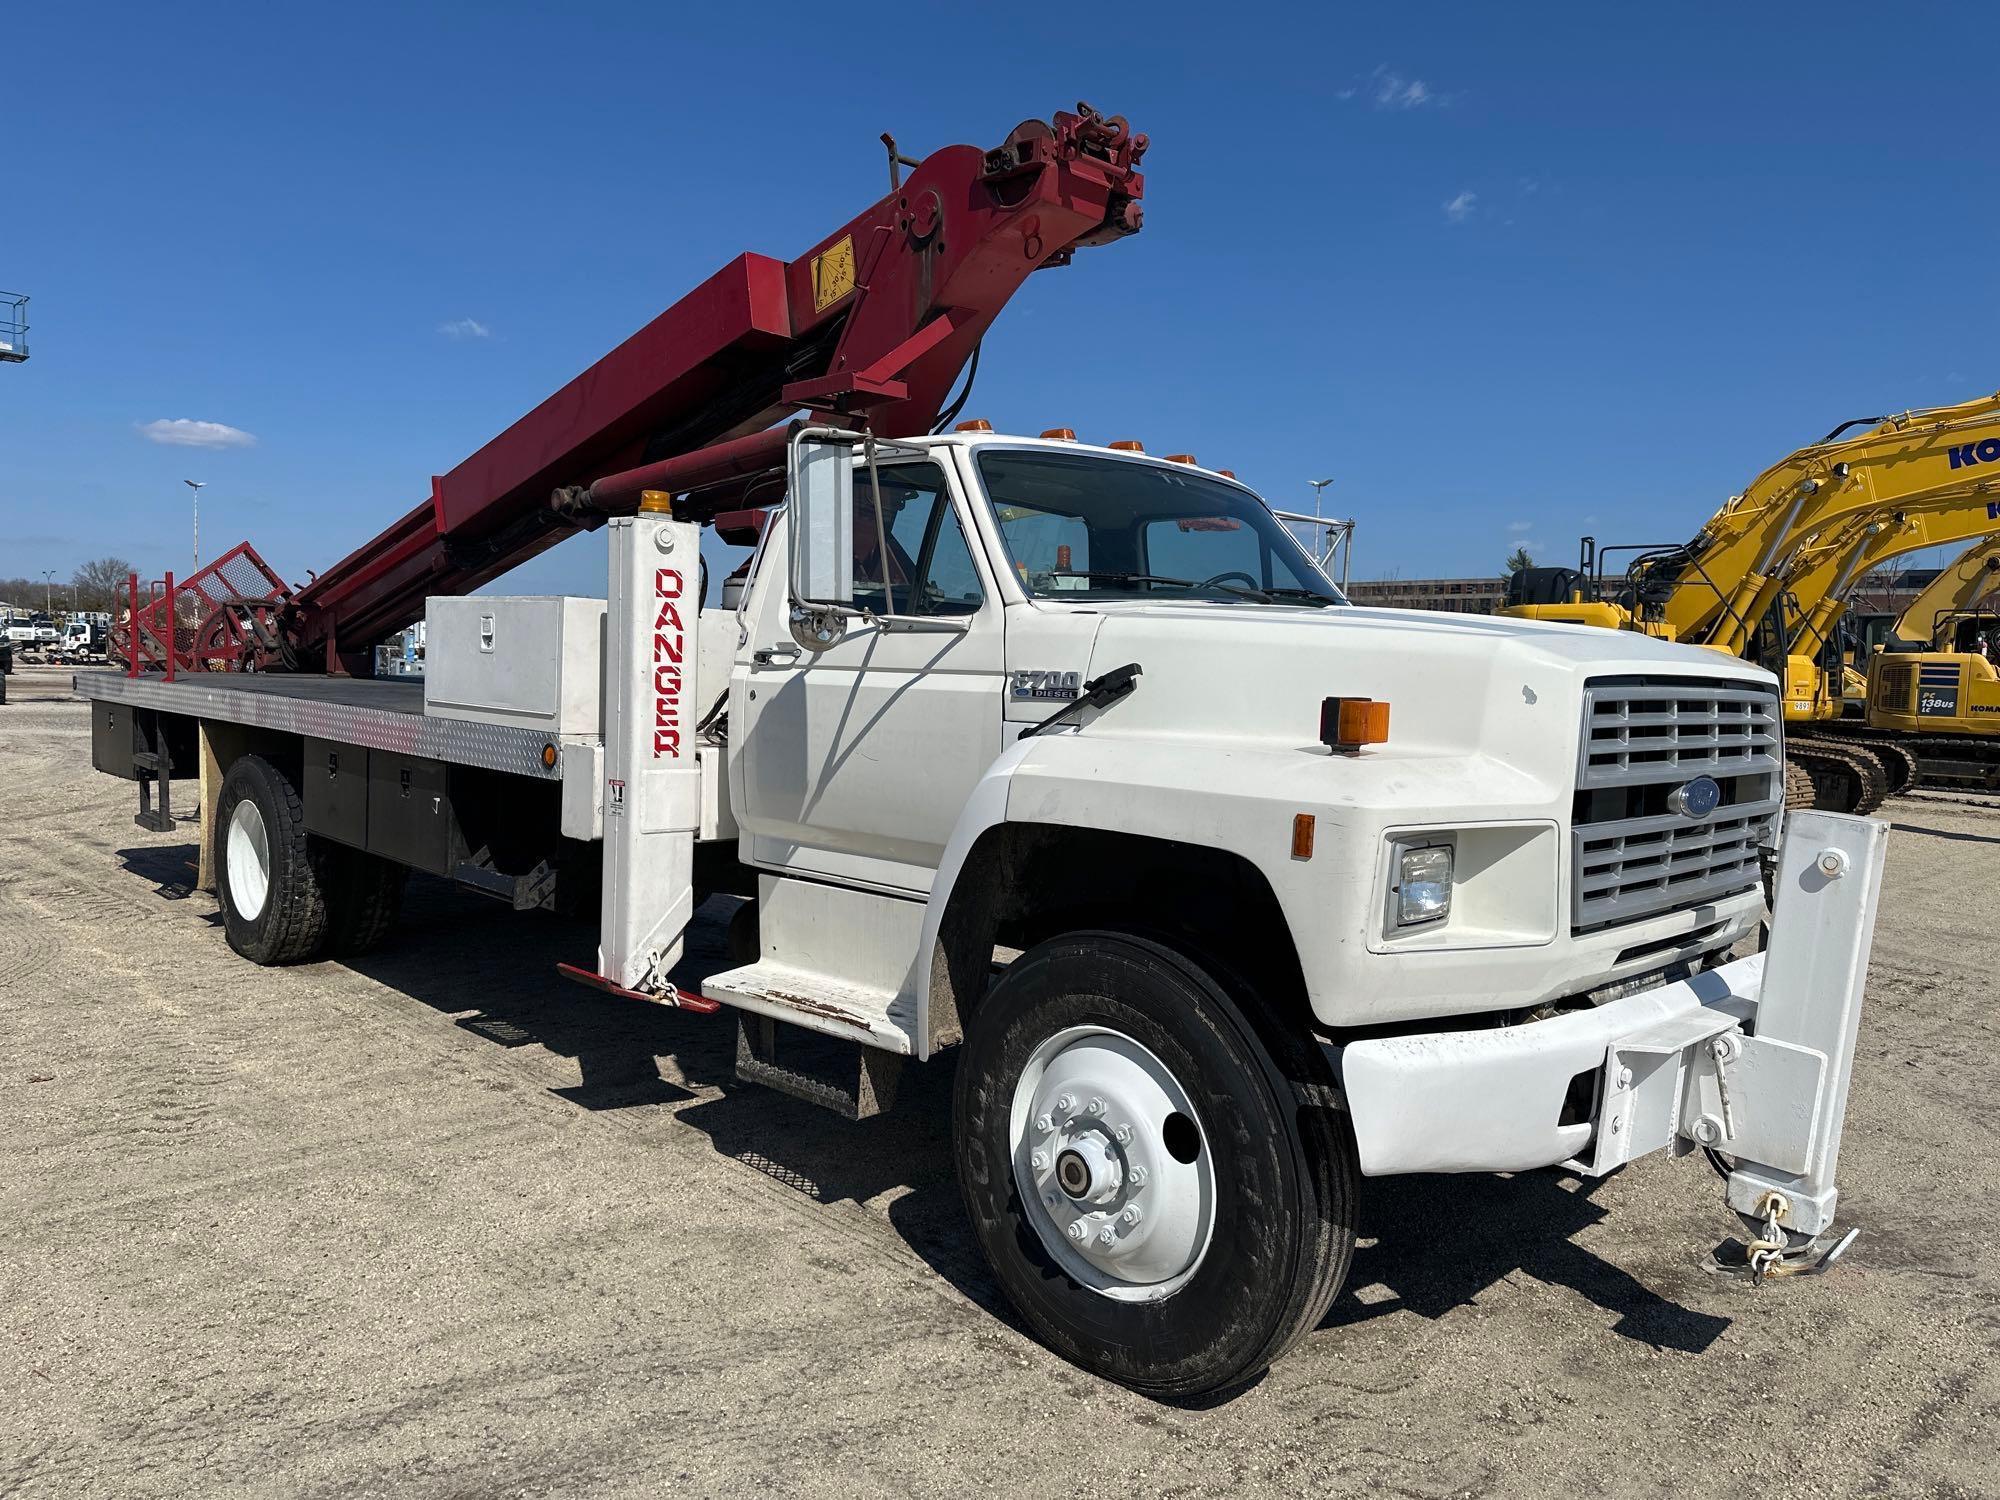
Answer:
(872, 326)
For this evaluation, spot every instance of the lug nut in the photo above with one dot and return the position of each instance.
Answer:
(1066, 1103)
(1105, 1236)
(1124, 1135)
(1039, 1160)
(1078, 1231)
(1137, 1177)
(1131, 1215)
(1095, 1107)
(1043, 1122)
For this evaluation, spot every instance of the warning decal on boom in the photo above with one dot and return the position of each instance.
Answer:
(833, 273)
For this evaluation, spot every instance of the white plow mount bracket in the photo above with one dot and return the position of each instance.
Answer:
(652, 780)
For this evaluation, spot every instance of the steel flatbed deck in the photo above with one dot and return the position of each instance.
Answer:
(380, 713)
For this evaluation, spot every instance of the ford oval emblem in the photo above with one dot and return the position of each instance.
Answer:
(1697, 798)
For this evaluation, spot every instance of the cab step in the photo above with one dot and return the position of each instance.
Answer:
(854, 1081)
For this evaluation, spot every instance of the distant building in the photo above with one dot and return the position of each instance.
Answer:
(1458, 596)
(1886, 591)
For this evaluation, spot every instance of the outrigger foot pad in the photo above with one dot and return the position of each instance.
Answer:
(1757, 1263)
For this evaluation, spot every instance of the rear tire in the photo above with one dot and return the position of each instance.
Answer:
(364, 897)
(1245, 1229)
(273, 906)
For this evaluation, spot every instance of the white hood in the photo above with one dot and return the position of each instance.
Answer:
(1453, 682)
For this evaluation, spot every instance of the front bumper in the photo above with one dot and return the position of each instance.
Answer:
(1752, 1058)
(1493, 1100)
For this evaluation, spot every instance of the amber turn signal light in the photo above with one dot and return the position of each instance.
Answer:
(1302, 835)
(1346, 724)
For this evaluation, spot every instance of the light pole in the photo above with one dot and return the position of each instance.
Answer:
(1318, 485)
(48, 592)
(196, 485)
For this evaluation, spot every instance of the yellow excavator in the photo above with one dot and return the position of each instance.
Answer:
(1935, 685)
(1790, 545)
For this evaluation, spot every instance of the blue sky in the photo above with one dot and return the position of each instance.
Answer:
(1505, 273)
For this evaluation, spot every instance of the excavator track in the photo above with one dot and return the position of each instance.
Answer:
(1956, 760)
(1962, 761)
(1799, 790)
(1845, 778)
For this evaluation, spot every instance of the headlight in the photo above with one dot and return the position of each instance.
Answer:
(1423, 885)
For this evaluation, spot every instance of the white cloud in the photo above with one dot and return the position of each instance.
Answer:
(1520, 525)
(1391, 90)
(465, 328)
(1459, 209)
(183, 432)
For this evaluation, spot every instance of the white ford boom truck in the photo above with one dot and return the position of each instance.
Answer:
(1071, 762)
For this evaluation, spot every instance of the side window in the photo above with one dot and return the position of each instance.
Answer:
(929, 567)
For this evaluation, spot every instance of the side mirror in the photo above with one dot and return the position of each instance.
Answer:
(820, 497)
(820, 503)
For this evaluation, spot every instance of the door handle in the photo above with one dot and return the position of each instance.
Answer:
(770, 656)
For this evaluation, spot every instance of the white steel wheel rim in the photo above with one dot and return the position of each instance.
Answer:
(1112, 1164)
(249, 860)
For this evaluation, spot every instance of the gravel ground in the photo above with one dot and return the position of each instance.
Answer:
(438, 1224)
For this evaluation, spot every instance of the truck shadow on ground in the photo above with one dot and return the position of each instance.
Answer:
(1946, 833)
(1438, 1243)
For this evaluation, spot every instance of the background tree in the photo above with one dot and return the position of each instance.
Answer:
(100, 584)
(1519, 559)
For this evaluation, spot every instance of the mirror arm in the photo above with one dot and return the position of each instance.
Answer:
(881, 527)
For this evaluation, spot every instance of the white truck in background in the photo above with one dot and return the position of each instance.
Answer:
(1225, 893)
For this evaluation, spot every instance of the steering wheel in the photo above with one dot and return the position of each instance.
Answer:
(1248, 581)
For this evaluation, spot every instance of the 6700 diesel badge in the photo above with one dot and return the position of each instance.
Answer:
(1056, 685)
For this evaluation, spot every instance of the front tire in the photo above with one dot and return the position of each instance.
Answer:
(273, 907)
(1140, 1176)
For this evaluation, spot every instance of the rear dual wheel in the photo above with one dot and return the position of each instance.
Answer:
(1139, 1173)
(288, 896)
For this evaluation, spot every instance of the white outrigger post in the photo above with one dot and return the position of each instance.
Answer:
(1808, 1019)
(652, 777)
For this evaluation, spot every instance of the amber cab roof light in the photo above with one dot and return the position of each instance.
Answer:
(1128, 445)
(1061, 434)
(974, 424)
(1180, 458)
(1346, 724)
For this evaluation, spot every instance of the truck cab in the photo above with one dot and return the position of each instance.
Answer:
(1525, 769)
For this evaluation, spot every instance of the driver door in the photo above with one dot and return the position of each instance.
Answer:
(856, 761)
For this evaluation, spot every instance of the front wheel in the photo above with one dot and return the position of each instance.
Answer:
(1142, 1181)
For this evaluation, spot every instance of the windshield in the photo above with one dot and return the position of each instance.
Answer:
(1079, 527)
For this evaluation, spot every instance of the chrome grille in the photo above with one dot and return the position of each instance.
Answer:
(1633, 856)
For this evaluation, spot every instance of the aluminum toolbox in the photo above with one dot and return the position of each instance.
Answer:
(534, 662)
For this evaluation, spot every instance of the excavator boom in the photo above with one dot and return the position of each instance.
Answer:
(869, 327)
(1720, 585)
(1959, 587)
